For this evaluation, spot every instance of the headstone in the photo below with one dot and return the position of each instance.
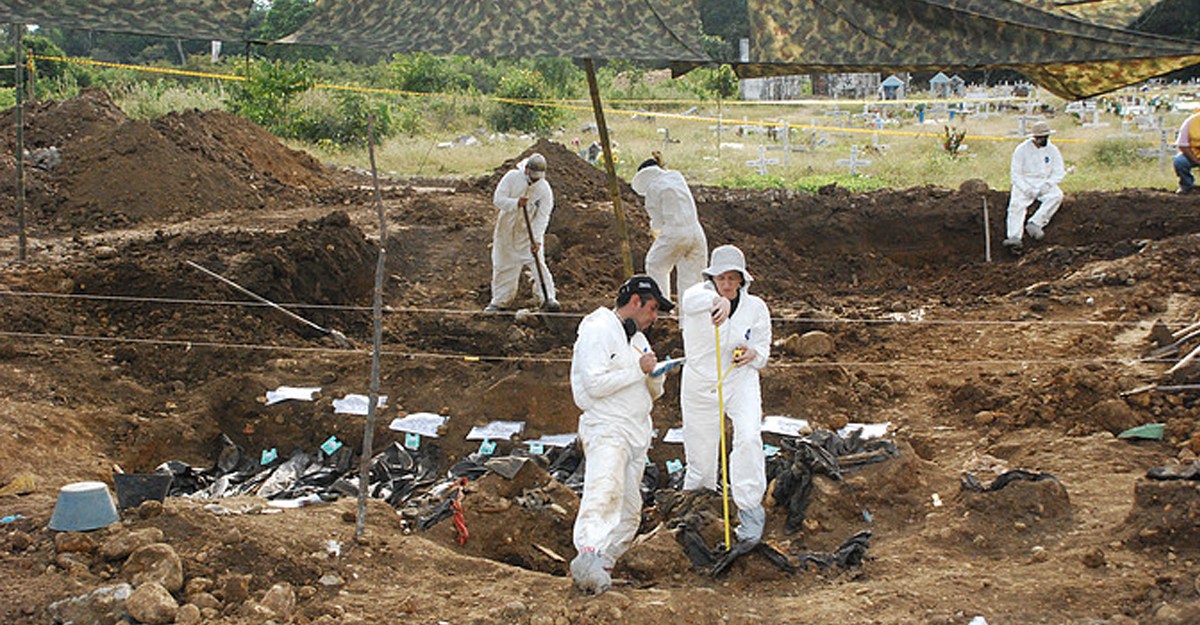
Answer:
(1022, 125)
(1095, 123)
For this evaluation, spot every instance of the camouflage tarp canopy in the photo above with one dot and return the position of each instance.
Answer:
(190, 19)
(1119, 13)
(1068, 56)
(601, 29)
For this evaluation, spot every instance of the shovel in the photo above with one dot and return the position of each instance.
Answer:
(547, 304)
(337, 337)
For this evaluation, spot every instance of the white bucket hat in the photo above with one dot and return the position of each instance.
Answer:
(1040, 129)
(728, 258)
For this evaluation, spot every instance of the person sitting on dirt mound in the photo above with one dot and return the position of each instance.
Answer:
(744, 341)
(525, 200)
(611, 382)
(1188, 158)
(679, 241)
(1037, 168)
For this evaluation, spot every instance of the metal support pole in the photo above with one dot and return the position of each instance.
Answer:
(610, 168)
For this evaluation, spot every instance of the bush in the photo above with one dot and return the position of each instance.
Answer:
(523, 84)
(426, 73)
(1109, 153)
(45, 72)
(265, 97)
(712, 83)
(342, 120)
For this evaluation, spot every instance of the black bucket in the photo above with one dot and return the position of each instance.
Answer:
(134, 488)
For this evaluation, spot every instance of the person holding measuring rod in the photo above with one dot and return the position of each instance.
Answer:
(726, 341)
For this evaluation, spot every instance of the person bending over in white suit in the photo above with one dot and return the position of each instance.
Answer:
(523, 190)
(744, 323)
(1037, 168)
(679, 241)
(611, 382)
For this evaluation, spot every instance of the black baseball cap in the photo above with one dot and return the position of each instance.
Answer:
(642, 284)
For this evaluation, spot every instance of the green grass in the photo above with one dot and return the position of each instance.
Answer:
(810, 184)
(151, 100)
(1097, 158)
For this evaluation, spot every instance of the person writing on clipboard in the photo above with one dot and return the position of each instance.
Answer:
(611, 381)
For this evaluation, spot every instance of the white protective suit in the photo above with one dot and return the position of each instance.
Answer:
(679, 241)
(748, 326)
(1035, 175)
(614, 430)
(510, 239)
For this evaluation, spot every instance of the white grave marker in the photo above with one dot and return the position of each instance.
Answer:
(854, 162)
(763, 161)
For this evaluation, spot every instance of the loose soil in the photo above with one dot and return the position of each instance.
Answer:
(115, 351)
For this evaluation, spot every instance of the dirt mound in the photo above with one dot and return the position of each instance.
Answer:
(115, 171)
(922, 241)
(572, 178)
(1165, 513)
(323, 262)
(249, 152)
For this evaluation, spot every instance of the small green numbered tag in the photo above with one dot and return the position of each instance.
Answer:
(412, 441)
(331, 445)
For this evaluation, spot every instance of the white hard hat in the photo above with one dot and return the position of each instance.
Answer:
(727, 258)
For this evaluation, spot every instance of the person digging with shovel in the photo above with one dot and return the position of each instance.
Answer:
(525, 201)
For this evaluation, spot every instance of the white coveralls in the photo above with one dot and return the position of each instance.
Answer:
(679, 241)
(614, 430)
(748, 326)
(510, 240)
(1035, 175)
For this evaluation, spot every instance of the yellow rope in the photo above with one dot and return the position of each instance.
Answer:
(565, 106)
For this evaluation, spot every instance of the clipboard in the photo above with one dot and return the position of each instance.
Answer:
(666, 366)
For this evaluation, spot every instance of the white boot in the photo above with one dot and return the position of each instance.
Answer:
(588, 572)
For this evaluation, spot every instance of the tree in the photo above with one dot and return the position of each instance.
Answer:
(283, 17)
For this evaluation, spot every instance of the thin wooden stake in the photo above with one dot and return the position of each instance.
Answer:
(364, 465)
(19, 88)
(987, 233)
